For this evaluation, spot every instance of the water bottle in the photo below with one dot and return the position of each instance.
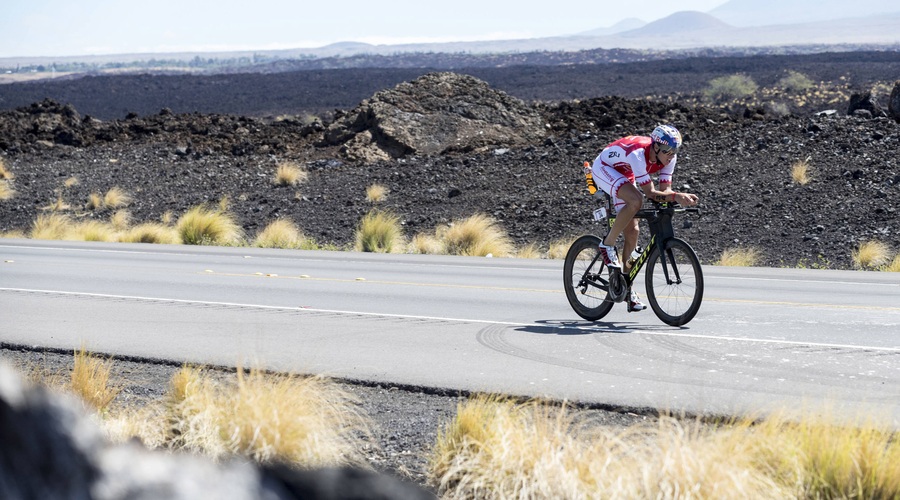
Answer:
(635, 255)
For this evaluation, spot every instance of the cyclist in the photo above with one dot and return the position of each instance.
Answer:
(619, 170)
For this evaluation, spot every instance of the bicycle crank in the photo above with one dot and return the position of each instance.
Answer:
(618, 286)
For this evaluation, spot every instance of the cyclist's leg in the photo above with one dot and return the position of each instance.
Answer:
(610, 181)
(630, 235)
(633, 199)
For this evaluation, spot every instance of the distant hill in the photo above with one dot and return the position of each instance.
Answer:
(632, 23)
(677, 23)
(686, 30)
(746, 13)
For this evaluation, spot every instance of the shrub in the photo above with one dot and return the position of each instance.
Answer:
(281, 234)
(289, 174)
(379, 231)
(739, 257)
(795, 81)
(478, 235)
(730, 87)
(871, 254)
(376, 193)
(800, 172)
(202, 225)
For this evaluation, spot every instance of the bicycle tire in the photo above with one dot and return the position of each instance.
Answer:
(588, 300)
(675, 303)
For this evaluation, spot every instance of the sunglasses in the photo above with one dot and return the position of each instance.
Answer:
(667, 150)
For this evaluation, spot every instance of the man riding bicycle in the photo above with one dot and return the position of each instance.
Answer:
(619, 169)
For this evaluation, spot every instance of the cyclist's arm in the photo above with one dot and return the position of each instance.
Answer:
(686, 199)
(664, 193)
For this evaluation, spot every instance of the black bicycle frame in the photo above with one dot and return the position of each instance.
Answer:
(660, 221)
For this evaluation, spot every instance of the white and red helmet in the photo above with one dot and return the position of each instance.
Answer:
(667, 136)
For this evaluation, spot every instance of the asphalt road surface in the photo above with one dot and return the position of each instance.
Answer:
(764, 339)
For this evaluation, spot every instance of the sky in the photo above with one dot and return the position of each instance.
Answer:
(33, 28)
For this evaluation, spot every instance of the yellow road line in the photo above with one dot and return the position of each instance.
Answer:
(381, 282)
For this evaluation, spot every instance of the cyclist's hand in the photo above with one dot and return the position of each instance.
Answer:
(686, 199)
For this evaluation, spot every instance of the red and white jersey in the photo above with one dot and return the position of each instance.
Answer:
(628, 156)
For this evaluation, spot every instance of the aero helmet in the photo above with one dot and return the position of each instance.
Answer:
(667, 136)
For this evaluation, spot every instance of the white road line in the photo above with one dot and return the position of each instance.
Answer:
(462, 320)
(787, 280)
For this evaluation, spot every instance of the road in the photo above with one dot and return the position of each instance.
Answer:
(764, 339)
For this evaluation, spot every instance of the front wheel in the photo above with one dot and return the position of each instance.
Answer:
(674, 282)
(586, 279)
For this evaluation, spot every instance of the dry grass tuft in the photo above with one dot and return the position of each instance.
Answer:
(120, 219)
(424, 243)
(5, 174)
(92, 230)
(739, 257)
(379, 231)
(871, 254)
(478, 235)
(57, 205)
(151, 232)
(51, 226)
(494, 448)
(823, 459)
(282, 234)
(559, 248)
(94, 202)
(71, 182)
(268, 418)
(290, 174)
(91, 380)
(530, 251)
(202, 225)
(15, 233)
(800, 172)
(147, 423)
(376, 193)
(894, 266)
(497, 449)
(6, 191)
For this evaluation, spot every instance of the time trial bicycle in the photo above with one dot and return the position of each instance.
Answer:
(673, 278)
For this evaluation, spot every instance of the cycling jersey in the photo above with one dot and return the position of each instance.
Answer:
(628, 156)
(625, 162)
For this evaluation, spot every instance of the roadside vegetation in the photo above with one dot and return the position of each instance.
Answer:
(800, 172)
(739, 257)
(496, 447)
(290, 174)
(378, 231)
(104, 218)
(872, 254)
